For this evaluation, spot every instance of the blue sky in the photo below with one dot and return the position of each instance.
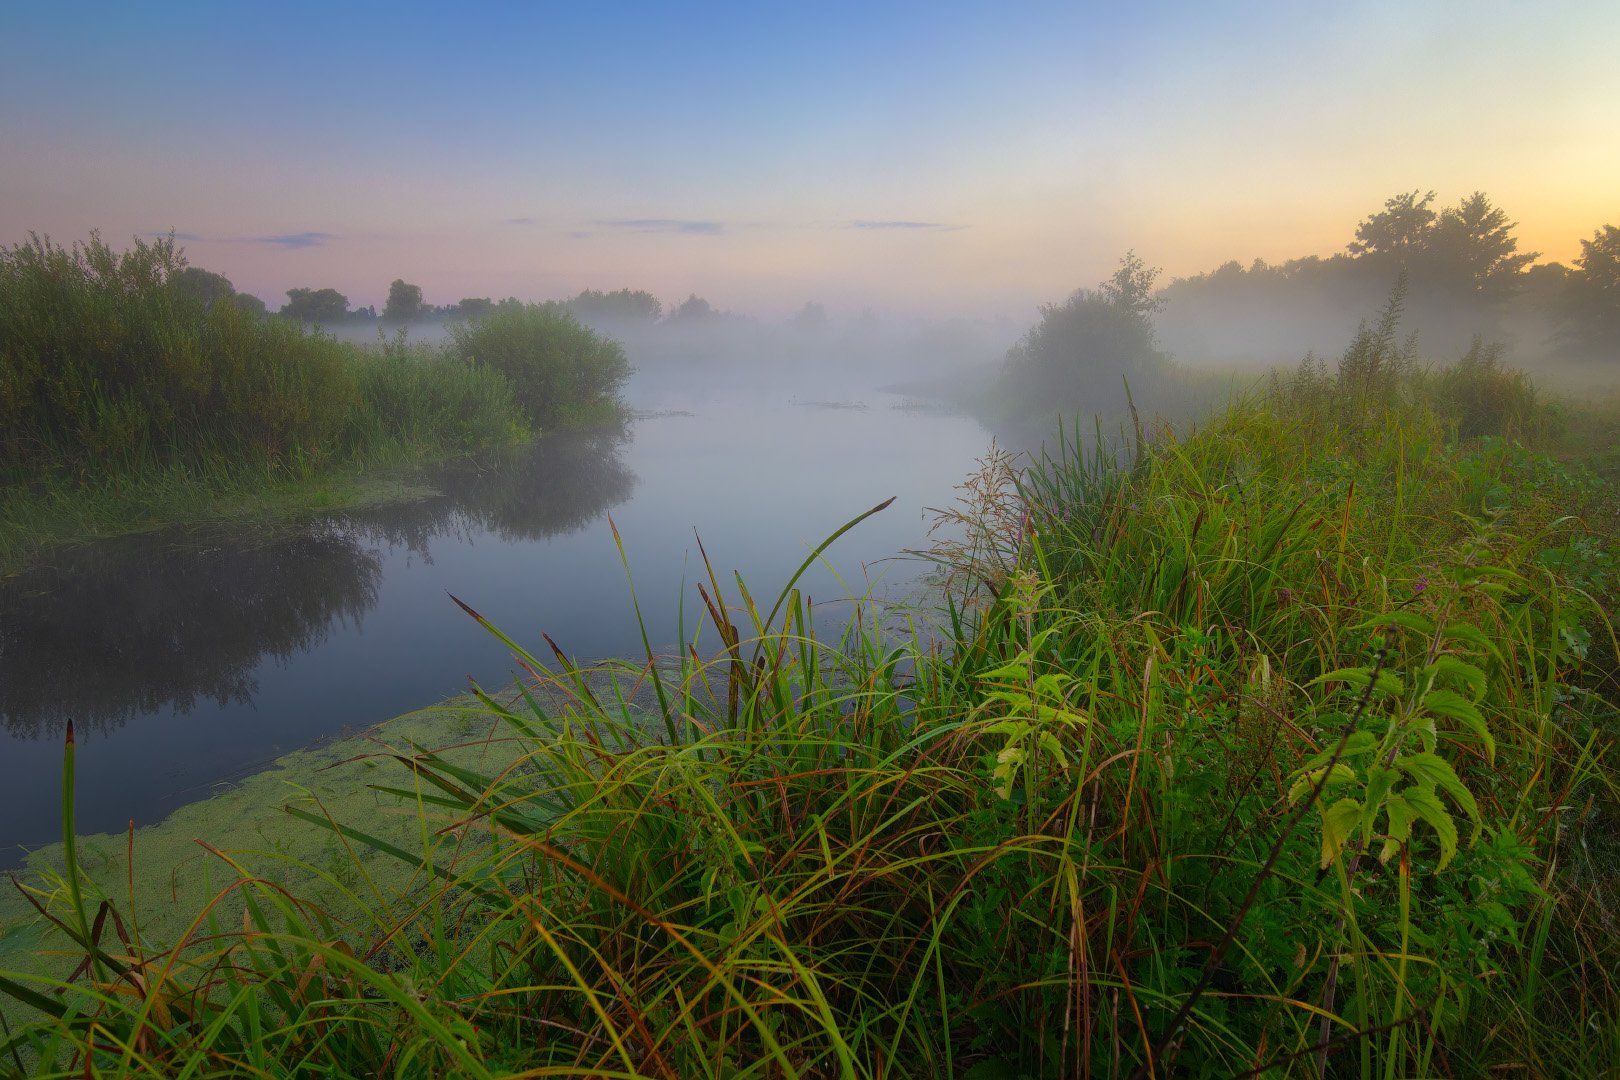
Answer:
(918, 157)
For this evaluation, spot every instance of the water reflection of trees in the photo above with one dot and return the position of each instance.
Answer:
(553, 486)
(171, 620)
(117, 630)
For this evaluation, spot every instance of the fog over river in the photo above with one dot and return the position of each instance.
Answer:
(189, 658)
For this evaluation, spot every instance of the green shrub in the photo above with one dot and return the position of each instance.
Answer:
(1079, 357)
(1484, 396)
(1379, 376)
(105, 367)
(561, 371)
(417, 394)
(115, 365)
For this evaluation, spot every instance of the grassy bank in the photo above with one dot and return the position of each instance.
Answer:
(175, 873)
(1280, 748)
(126, 400)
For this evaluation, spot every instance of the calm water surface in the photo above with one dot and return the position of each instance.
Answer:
(189, 659)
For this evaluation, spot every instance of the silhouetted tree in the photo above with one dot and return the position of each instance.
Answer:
(1591, 300)
(404, 302)
(249, 303)
(472, 307)
(1473, 249)
(1131, 286)
(1079, 356)
(621, 305)
(694, 309)
(203, 286)
(813, 316)
(1466, 276)
(315, 305)
(1398, 229)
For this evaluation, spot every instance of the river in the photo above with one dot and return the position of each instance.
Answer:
(190, 658)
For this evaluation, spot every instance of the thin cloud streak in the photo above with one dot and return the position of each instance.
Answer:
(683, 226)
(295, 240)
(936, 226)
(291, 241)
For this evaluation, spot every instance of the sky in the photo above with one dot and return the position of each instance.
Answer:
(927, 158)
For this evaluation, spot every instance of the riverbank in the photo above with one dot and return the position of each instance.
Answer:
(33, 523)
(128, 401)
(170, 871)
(1305, 715)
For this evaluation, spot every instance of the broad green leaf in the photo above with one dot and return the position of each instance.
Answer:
(1426, 806)
(1433, 771)
(1500, 573)
(1015, 669)
(1357, 744)
(1454, 706)
(1337, 822)
(1449, 669)
(1341, 774)
(1011, 697)
(1408, 620)
(1401, 816)
(1473, 635)
(1358, 677)
(1379, 782)
(1052, 684)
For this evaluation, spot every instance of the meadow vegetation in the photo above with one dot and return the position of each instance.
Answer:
(132, 382)
(1277, 747)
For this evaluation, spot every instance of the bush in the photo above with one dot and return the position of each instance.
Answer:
(417, 393)
(1082, 347)
(1483, 395)
(108, 363)
(1379, 376)
(1093, 354)
(115, 364)
(561, 371)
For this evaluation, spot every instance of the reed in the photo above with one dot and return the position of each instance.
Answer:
(1276, 749)
(126, 400)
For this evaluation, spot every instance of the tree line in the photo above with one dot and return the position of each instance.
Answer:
(1466, 276)
(405, 304)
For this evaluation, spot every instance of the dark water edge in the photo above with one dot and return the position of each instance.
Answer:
(189, 658)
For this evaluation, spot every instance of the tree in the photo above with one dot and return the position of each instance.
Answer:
(1472, 246)
(1591, 300)
(813, 316)
(1399, 229)
(404, 302)
(249, 303)
(315, 305)
(471, 307)
(1084, 350)
(559, 370)
(203, 286)
(1131, 286)
(622, 305)
(694, 309)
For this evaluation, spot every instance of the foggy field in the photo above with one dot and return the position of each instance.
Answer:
(1004, 542)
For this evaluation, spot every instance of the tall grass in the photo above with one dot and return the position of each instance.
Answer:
(105, 368)
(417, 394)
(1278, 750)
(126, 394)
